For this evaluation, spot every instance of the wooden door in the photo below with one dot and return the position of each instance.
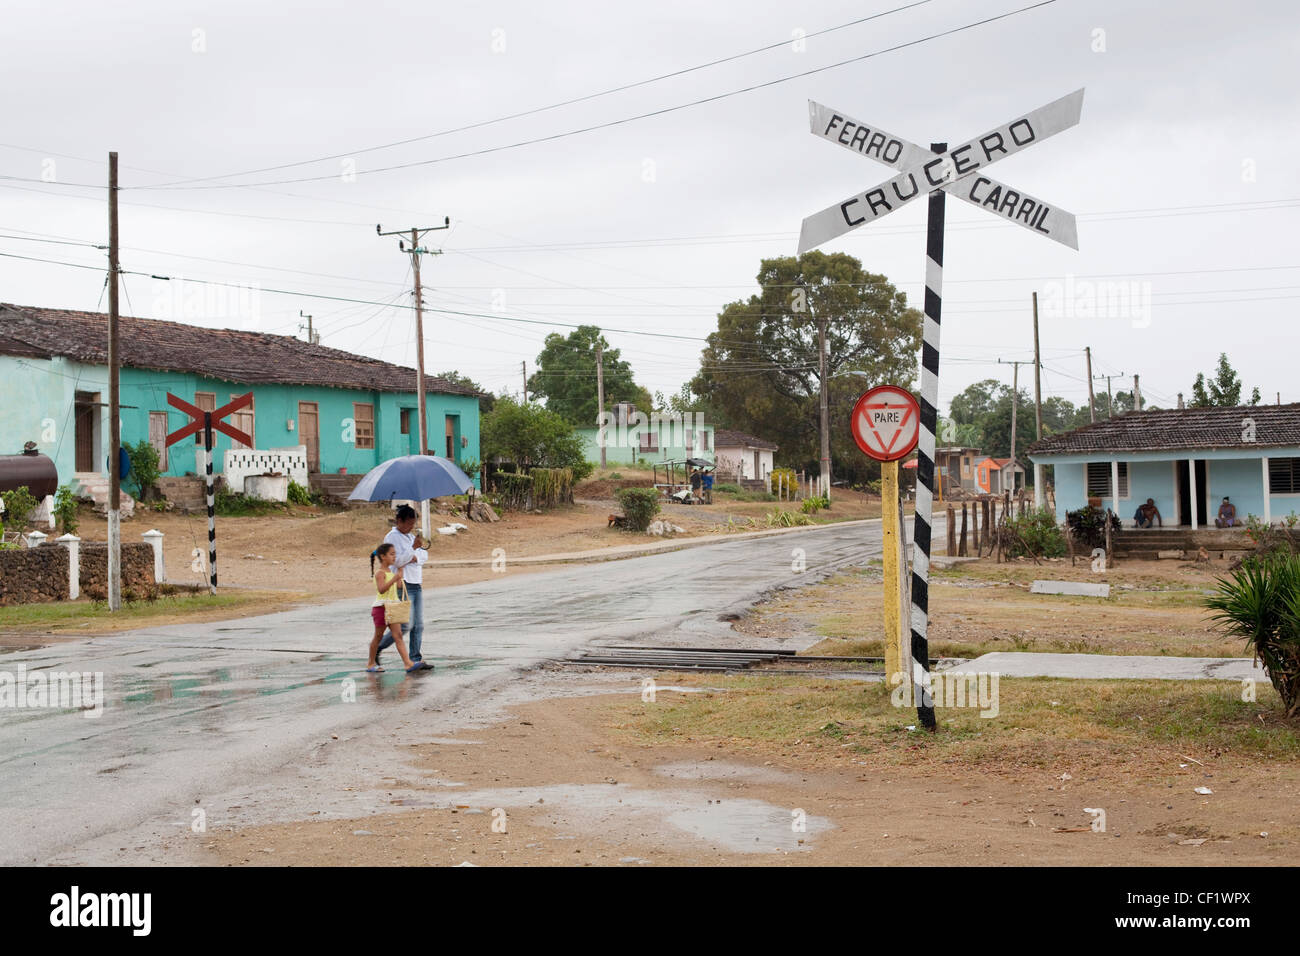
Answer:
(158, 437)
(84, 432)
(309, 433)
(451, 437)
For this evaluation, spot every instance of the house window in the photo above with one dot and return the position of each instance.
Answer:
(649, 441)
(704, 441)
(405, 420)
(1284, 476)
(1099, 479)
(243, 420)
(208, 402)
(363, 414)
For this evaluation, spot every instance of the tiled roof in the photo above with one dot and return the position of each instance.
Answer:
(728, 438)
(1180, 429)
(255, 358)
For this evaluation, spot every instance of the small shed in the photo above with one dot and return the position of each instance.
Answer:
(741, 456)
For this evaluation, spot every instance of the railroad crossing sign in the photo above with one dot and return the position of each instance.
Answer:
(952, 170)
(886, 422)
(960, 171)
(207, 422)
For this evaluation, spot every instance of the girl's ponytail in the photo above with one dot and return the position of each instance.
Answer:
(373, 555)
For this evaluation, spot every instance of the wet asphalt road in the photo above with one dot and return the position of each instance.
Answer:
(190, 709)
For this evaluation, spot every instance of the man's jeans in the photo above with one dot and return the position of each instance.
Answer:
(416, 633)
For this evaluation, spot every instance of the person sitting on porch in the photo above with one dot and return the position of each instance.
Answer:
(1147, 513)
(1227, 514)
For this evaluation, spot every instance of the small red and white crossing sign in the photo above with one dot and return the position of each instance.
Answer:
(886, 422)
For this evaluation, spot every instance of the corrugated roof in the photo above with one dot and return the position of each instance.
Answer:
(254, 358)
(1181, 429)
(727, 437)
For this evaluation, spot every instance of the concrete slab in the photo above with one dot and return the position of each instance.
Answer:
(1078, 588)
(1108, 666)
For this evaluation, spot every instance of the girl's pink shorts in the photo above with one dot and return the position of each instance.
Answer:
(377, 615)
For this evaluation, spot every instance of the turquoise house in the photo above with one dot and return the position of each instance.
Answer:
(1186, 459)
(350, 412)
(629, 436)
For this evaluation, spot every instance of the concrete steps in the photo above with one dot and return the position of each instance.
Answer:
(334, 487)
(1149, 543)
(95, 487)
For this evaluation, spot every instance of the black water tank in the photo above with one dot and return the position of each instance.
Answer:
(30, 469)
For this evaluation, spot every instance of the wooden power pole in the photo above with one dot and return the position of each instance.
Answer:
(600, 395)
(1092, 402)
(1039, 491)
(114, 405)
(825, 409)
(416, 233)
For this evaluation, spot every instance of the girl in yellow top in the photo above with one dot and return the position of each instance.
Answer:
(386, 590)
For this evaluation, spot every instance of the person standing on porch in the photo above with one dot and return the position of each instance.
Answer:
(411, 555)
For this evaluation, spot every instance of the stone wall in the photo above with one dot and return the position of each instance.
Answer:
(37, 574)
(137, 571)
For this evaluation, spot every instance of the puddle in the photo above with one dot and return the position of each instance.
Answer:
(734, 825)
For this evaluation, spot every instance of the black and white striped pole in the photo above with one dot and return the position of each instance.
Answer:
(212, 503)
(934, 172)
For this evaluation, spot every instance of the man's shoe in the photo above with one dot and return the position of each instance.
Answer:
(425, 665)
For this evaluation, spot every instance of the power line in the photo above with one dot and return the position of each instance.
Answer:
(619, 122)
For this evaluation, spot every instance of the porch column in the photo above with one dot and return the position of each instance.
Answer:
(1039, 495)
(1268, 513)
(1191, 488)
(1114, 488)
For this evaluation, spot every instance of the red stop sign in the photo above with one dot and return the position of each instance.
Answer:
(886, 422)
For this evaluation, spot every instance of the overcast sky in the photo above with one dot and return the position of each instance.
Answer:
(1177, 172)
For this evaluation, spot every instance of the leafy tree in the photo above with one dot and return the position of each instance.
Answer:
(1224, 390)
(759, 370)
(485, 400)
(144, 474)
(532, 437)
(566, 377)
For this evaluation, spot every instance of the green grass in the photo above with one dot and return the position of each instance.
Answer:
(73, 615)
(1039, 721)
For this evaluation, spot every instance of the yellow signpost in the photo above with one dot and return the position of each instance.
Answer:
(889, 512)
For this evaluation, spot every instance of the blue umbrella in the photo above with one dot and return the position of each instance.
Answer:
(413, 477)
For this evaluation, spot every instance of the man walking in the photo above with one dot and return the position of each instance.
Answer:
(411, 555)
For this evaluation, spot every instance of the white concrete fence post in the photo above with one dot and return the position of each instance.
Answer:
(154, 537)
(35, 538)
(73, 544)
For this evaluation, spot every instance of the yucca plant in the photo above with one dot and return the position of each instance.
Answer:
(1261, 603)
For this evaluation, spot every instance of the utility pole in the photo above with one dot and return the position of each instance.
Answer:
(524, 367)
(1137, 395)
(114, 406)
(415, 251)
(1039, 490)
(1015, 403)
(313, 337)
(1092, 402)
(825, 410)
(600, 394)
(1180, 401)
(1110, 398)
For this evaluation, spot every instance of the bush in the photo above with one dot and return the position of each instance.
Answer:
(144, 472)
(776, 518)
(640, 505)
(19, 505)
(299, 495)
(615, 476)
(814, 504)
(1261, 603)
(533, 437)
(783, 476)
(65, 509)
(726, 489)
(231, 505)
(1088, 526)
(552, 486)
(1038, 532)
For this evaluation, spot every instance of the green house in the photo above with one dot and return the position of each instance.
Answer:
(629, 436)
(343, 413)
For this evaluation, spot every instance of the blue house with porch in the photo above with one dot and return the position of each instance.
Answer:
(1186, 459)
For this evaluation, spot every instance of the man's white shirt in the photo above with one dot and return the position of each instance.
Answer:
(412, 572)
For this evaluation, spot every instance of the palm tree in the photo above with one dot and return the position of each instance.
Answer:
(1261, 603)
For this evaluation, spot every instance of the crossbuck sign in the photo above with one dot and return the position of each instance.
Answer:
(935, 172)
